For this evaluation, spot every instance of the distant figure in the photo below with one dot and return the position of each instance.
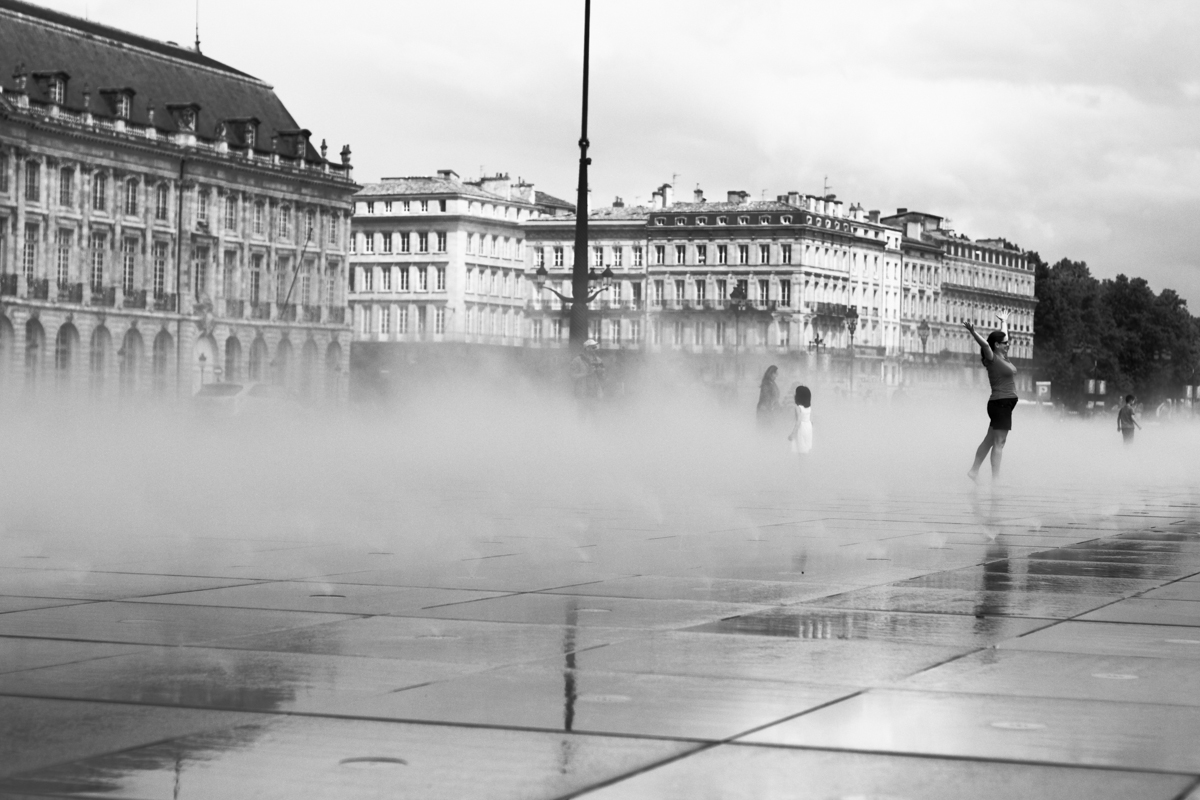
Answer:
(801, 436)
(1126, 424)
(587, 371)
(768, 398)
(1001, 375)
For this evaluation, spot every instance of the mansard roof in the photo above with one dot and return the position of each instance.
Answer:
(724, 207)
(425, 185)
(549, 201)
(42, 42)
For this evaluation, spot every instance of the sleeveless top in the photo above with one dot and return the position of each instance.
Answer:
(1001, 374)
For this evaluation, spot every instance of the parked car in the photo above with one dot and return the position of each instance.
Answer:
(238, 399)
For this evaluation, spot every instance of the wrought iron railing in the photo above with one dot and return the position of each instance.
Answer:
(165, 302)
(312, 313)
(39, 289)
(134, 299)
(260, 310)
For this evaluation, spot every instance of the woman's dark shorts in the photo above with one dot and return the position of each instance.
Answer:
(1000, 413)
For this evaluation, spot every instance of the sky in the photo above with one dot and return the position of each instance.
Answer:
(1066, 126)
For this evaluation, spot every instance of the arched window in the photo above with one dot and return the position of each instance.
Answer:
(161, 202)
(233, 360)
(131, 197)
(162, 356)
(100, 192)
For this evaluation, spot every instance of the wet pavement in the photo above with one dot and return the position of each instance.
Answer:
(1025, 644)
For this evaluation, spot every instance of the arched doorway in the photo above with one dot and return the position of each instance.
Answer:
(131, 361)
(233, 360)
(35, 344)
(283, 362)
(205, 368)
(66, 344)
(101, 346)
(309, 357)
(258, 358)
(333, 371)
(161, 361)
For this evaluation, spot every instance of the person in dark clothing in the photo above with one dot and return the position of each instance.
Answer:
(768, 398)
(1126, 424)
(1003, 399)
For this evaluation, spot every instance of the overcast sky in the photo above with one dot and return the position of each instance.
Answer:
(1069, 128)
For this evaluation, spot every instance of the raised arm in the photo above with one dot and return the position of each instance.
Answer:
(985, 349)
(1003, 317)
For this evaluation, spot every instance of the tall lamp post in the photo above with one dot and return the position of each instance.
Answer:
(852, 326)
(579, 272)
(606, 282)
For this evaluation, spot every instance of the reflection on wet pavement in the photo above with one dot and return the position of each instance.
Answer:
(1016, 648)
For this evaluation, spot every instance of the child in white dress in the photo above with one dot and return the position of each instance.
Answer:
(801, 435)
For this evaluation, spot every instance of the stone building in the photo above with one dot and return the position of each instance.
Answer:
(164, 221)
(439, 259)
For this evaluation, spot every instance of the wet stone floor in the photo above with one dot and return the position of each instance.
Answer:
(1024, 645)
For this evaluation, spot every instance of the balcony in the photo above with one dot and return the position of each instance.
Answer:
(70, 292)
(260, 310)
(104, 295)
(287, 312)
(134, 299)
(312, 313)
(235, 309)
(337, 315)
(39, 289)
(8, 284)
(165, 302)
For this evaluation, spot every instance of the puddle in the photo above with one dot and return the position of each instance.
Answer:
(341, 596)
(603, 698)
(1018, 726)
(372, 762)
(1115, 676)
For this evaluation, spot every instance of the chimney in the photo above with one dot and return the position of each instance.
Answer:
(497, 184)
(447, 174)
(736, 196)
(618, 203)
(668, 195)
(698, 195)
(793, 198)
(901, 210)
(656, 199)
(873, 215)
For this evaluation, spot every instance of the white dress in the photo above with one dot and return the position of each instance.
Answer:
(802, 439)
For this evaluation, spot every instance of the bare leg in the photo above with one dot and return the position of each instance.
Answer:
(998, 440)
(981, 453)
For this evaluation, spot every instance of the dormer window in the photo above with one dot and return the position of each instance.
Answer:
(660, 221)
(681, 220)
(764, 220)
(721, 220)
(743, 221)
(185, 116)
(786, 220)
(56, 90)
(123, 106)
(701, 220)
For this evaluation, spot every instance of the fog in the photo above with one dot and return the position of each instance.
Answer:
(668, 479)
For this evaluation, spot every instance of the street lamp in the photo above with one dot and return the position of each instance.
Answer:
(606, 282)
(579, 271)
(852, 326)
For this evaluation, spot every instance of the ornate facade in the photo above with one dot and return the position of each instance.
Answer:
(164, 222)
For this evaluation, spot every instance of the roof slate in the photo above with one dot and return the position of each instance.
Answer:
(543, 199)
(424, 185)
(101, 57)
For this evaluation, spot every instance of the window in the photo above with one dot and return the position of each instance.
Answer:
(679, 289)
(160, 269)
(368, 243)
(617, 260)
(285, 222)
(638, 260)
(99, 191)
(387, 280)
(387, 242)
(3, 173)
(786, 219)
(440, 280)
(558, 256)
(129, 265)
(260, 216)
(701, 220)
(161, 210)
(556, 329)
(721, 220)
(536, 330)
(33, 181)
(442, 206)
(701, 254)
(441, 242)
(785, 293)
(131, 198)
(385, 320)
(660, 254)
(366, 319)
(63, 245)
(743, 253)
(680, 254)
(368, 282)
(785, 253)
(230, 212)
(202, 207)
(354, 237)
(228, 273)
(66, 187)
(677, 333)
(597, 256)
(370, 208)
(97, 248)
(310, 225)
(402, 319)
(422, 279)
(764, 220)
(722, 293)
(256, 263)
(283, 278)
(406, 206)
(743, 220)
(424, 205)
(55, 90)
(200, 272)
(387, 206)
(404, 242)
(701, 291)
(539, 257)
(681, 220)
(123, 106)
(764, 287)
(764, 254)
(658, 293)
(422, 242)
(30, 253)
(439, 315)
(722, 254)
(660, 221)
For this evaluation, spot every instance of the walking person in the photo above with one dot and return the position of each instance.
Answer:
(1126, 424)
(768, 398)
(801, 436)
(1003, 399)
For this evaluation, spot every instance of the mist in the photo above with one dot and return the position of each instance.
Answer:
(483, 479)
